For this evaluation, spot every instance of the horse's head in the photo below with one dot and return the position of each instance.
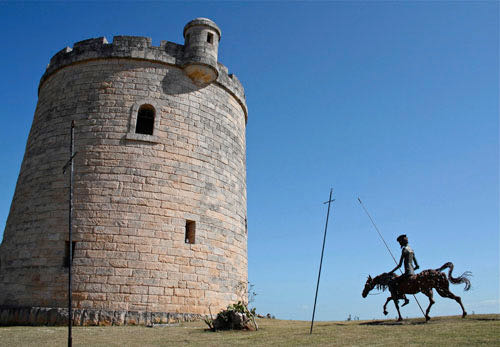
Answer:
(381, 281)
(368, 286)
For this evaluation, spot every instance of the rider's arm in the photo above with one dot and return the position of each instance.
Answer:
(399, 265)
(415, 261)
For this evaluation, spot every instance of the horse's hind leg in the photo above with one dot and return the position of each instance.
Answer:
(445, 293)
(428, 293)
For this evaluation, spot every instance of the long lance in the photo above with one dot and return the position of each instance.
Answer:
(321, 261)
(69, 164)
(385, 243)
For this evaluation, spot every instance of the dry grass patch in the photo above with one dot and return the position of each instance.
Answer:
(451, 331)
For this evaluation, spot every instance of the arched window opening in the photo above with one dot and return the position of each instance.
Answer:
(145, 120)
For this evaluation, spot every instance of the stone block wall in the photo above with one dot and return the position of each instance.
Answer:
(134, 193)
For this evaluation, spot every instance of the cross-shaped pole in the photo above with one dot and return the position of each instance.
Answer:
(69, 164)
(321, 261)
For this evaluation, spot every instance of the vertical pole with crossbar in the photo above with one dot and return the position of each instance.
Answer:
(70, 225)
(321, 261)
(70, 303)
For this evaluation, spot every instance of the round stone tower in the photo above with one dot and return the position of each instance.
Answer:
(159, 227)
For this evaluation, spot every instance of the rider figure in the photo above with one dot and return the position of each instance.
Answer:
(408, 258)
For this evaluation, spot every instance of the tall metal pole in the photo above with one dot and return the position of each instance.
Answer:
(321, 261)
(385, 243)
(70, 289)
(70, 236)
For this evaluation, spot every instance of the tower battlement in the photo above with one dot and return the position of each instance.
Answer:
(138, 48)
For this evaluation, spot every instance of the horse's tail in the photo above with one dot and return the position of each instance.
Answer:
(464, 278)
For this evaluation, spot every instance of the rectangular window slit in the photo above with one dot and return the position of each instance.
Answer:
(66, 253)
(190, 231)
(210, 37)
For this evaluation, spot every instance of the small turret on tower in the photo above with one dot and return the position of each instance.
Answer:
(201, 43)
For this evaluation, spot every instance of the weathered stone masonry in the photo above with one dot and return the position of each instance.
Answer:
(135, 193)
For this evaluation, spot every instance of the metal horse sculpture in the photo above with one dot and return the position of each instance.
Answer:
(423, 282)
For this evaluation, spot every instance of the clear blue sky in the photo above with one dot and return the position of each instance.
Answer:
(395, 102)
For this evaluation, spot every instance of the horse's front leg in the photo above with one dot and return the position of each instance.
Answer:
(385, 305)
(394, 295)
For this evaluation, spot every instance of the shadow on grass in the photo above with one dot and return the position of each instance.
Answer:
(386, 322)
(433, 320)
(483, 319)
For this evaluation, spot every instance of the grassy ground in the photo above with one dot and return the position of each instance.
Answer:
(442, 331)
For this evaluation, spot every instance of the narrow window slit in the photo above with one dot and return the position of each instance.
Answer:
(210, 38)
(190, 231)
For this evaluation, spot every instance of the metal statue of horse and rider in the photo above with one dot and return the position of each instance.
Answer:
(411, 283)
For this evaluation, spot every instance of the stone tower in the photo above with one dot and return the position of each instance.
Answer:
(160, 186)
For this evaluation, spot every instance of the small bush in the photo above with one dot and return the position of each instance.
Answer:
(235, 317)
